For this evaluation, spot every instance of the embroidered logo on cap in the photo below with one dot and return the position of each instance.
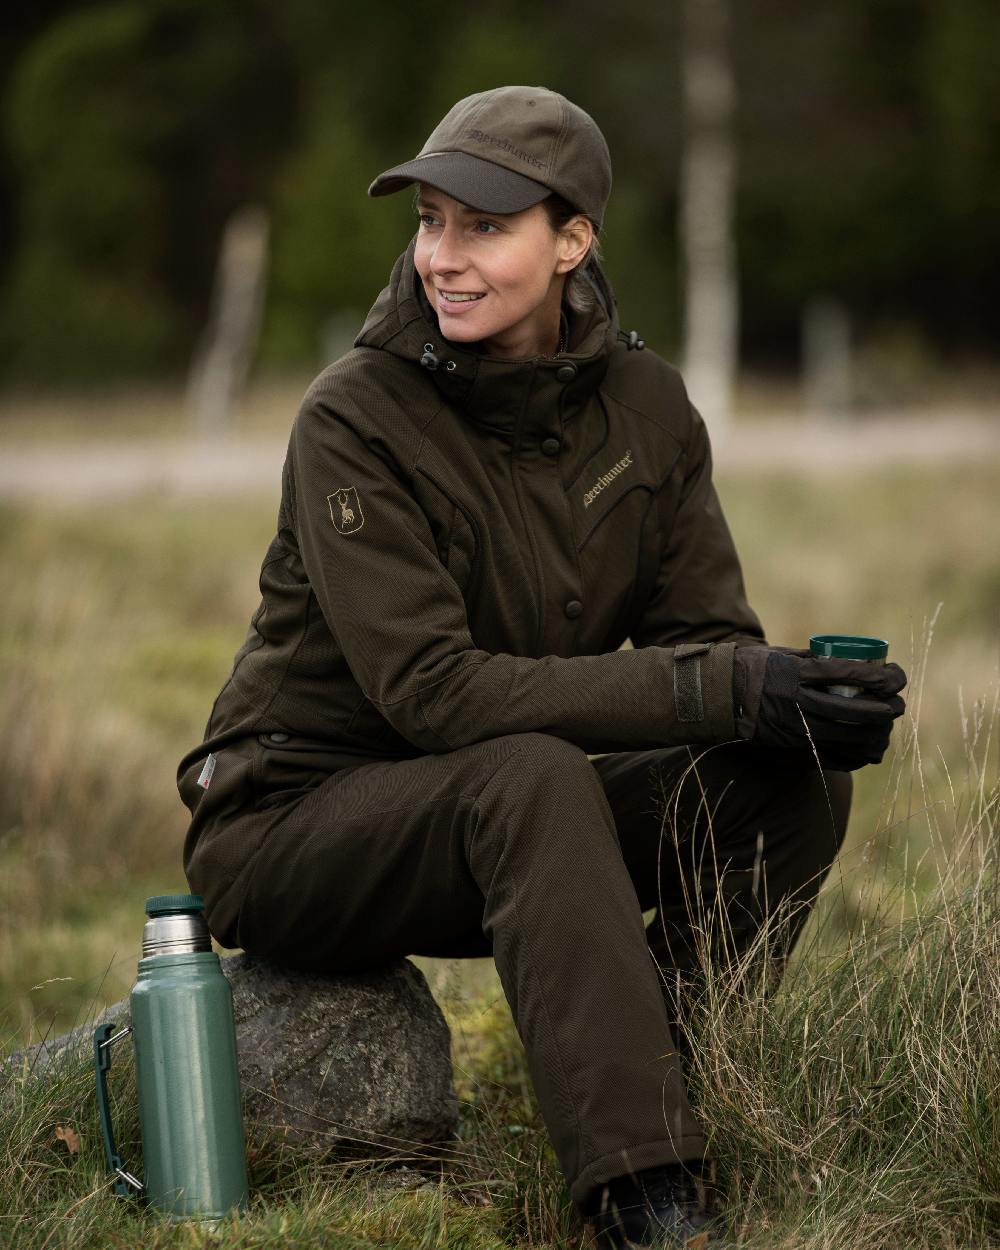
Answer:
(481, 136)
(345, 509)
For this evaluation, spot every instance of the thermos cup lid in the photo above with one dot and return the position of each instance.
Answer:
(848, 647)
(174, 904)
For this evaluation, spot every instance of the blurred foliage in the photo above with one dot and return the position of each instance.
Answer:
(869, 163)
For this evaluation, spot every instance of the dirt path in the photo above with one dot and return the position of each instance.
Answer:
(70, 472)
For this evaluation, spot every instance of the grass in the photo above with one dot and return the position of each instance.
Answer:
(860, 1107)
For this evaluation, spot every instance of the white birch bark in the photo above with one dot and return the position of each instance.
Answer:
(222, 363)
(827, 365)
(707, 209)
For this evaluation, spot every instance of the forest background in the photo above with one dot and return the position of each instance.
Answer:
(868, 143)
(869, 166)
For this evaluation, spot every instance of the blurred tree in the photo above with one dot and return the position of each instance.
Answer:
(18, 28)
(708, 184)
(869, 136)
(136, 128)
(90, 214)
(855, 119)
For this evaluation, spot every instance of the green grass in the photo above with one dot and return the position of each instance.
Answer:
(859, 1108)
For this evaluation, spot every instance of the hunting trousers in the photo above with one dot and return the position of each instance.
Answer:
(523, 848)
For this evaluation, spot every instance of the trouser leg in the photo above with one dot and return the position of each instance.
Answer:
(719, 839)
(511, 843)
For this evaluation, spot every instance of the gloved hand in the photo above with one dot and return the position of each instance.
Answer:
(779, 693)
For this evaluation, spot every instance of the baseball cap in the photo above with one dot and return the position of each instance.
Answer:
(503, 150)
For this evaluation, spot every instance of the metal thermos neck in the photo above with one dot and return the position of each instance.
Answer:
(178, 934)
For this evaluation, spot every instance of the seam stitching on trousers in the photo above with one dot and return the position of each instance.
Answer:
(585, 1143)
(584, 1140)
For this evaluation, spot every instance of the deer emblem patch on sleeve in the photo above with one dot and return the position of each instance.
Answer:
(345, 509)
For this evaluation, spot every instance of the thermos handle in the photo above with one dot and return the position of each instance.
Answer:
(104, 1039)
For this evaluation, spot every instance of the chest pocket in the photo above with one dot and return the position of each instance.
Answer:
(619, 493)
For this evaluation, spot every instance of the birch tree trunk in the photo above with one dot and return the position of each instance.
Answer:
(707, 208)
(827, 364)
(222, 363)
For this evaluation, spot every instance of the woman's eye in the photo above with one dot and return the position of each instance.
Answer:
(426, 219)
(486, 227)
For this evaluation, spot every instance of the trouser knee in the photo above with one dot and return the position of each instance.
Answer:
(544, 800)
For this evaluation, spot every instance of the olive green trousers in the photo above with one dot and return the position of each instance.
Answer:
(522, 848)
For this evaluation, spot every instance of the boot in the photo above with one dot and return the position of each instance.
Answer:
(657, 1207)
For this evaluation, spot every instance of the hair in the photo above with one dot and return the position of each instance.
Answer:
(579, 290)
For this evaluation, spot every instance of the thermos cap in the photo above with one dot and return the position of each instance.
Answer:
(174, 904)
(848, 647)
(176, 925)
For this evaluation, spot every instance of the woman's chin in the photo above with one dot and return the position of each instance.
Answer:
(457, 331)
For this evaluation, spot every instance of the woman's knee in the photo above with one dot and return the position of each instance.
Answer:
(543, 760)
(544, 792)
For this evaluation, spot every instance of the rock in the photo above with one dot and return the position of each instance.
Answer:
(352, 1059)
(343, 1056)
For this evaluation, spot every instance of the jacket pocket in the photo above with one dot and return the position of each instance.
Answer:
(624, 490)
(283, 770)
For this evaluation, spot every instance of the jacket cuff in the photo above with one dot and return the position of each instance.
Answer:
(748, 685)
(703, 691)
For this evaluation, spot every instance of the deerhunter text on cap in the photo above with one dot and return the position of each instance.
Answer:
(503, 150)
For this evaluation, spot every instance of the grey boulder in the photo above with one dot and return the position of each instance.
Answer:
(358, 1059)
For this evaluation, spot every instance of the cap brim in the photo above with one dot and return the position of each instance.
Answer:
(479, 184)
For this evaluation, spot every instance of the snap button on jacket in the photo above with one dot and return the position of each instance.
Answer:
(426, 585)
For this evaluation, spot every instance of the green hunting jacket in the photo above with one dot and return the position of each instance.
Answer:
(463, 543)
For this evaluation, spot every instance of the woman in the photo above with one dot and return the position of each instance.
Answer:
(480, 503)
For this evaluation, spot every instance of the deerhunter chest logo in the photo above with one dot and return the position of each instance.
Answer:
(345, 509)
(607, 478)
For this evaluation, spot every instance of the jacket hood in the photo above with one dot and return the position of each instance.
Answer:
(496, 391)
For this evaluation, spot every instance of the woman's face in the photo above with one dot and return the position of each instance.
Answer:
(495, 278)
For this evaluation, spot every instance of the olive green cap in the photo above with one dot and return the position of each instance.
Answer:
(503, 150)
(848, 647)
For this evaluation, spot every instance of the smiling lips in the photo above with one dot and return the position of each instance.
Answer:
(460, 297)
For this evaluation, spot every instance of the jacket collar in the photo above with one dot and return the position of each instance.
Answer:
(519, 397)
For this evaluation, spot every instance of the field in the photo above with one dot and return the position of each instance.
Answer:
(861, 1108)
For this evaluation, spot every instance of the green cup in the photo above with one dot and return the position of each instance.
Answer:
(848, 647)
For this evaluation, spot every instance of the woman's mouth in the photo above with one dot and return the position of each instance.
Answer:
(460, 297)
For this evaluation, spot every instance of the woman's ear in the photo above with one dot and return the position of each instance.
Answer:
(574, 241)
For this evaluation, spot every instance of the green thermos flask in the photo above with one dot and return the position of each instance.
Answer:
(186, 1072)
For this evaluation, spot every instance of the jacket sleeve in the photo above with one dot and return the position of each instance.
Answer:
(699, 594)
(400, 620)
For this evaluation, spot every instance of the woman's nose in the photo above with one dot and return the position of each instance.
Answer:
(448, 255)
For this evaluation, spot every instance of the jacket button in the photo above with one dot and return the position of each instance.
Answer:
(550, 446)
(566, 373)
(278, 737)
(573, 609)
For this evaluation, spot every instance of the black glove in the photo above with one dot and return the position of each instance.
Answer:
(779, 694)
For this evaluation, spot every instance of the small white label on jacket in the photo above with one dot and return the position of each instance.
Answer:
(345, 509)
(205, 777)
(607, 478)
